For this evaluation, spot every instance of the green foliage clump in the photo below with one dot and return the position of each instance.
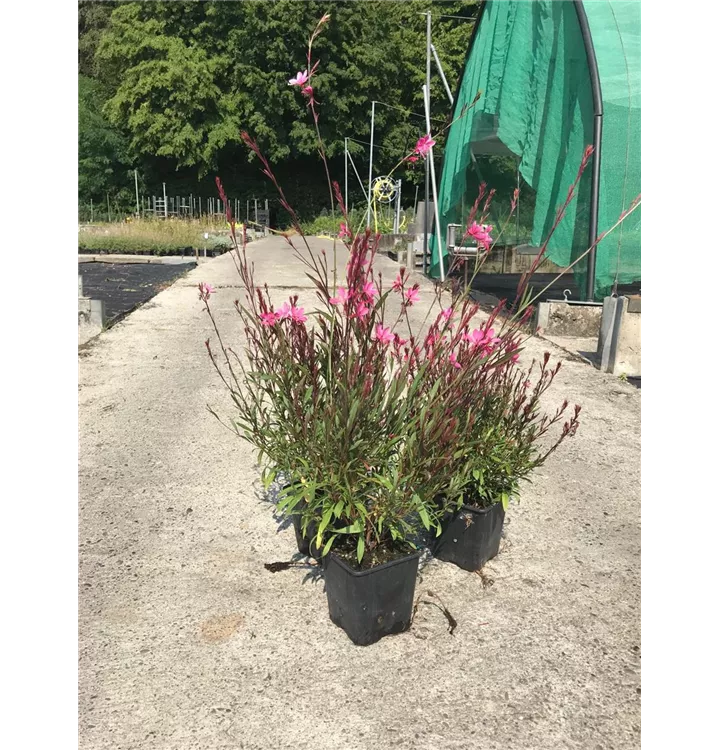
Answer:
(152, 237)
(98, 243)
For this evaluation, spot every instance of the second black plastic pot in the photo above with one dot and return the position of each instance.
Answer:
(304, 545)
(471, 537)
(369, 604)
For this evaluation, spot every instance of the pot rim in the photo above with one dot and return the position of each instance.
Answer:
(360, 573)
(477, 509)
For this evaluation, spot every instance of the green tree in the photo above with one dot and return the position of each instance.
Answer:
(103, 159)
(183, 79)
(93, 18)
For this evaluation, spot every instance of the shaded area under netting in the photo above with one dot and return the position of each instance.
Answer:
(533, 122)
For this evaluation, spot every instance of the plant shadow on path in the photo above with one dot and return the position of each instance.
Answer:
(314, 572)
(271, 497)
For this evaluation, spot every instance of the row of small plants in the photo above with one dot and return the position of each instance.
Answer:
(153, 237)
(327, 224)
(392, 436)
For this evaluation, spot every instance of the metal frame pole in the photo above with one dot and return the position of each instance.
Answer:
(137, 195)
(441, 74)
(371, 163)
(427, 176)
(597, 141)
(397, 207)
(437, 228)
(361, 184)
(346, 175)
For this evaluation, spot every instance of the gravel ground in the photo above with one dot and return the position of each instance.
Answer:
(187, 642)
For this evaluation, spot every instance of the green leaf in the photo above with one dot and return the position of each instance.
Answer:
(323, 524)
(328, 545)
(355, 528)
(360, 548)
(268, 478)
(505, 500)
(424, 518)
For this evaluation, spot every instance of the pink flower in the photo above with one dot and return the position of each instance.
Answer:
(453, 360)
(398, 284)
(284, 312)
(446, 314)
(343, 231)
(423, 145)
(491, 340)
(342, 297)
(412, 295)
(300, 80)
(481, 233)
(412, 159)
(383, 335)
(370, 290)
(362, 311)
(205, 290)
(268, 318)
(476, 337)
(297, 314)
(308, 91)
(399, 341)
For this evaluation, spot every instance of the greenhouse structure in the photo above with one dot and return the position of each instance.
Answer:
(552, 77)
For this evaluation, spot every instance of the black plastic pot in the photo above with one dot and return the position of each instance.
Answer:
(369, 604)
(471, 536)
(304, 545)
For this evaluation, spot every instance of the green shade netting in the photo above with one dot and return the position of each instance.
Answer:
(529, 62)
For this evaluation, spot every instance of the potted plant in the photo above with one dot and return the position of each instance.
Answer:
(508, 434)
(341, 407)
(484, 387)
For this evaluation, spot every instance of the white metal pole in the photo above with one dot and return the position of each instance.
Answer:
(427, 93)
(137, 195)
(361, 184)
(371, 163)
(164, 195)
(437, 227)
(441, 74)
(397, 208)
(346, 174)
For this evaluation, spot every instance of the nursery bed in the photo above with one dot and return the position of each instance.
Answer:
(123, 286)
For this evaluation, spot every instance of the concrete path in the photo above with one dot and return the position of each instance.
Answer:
(186, 641)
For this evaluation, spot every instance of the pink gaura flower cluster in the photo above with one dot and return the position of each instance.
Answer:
(205, 290)
(410, 295)
(364, 299)
(424, 145)
(484, 340)
(286, 312)
(481, 233)
(301, 80)
(383, 335)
